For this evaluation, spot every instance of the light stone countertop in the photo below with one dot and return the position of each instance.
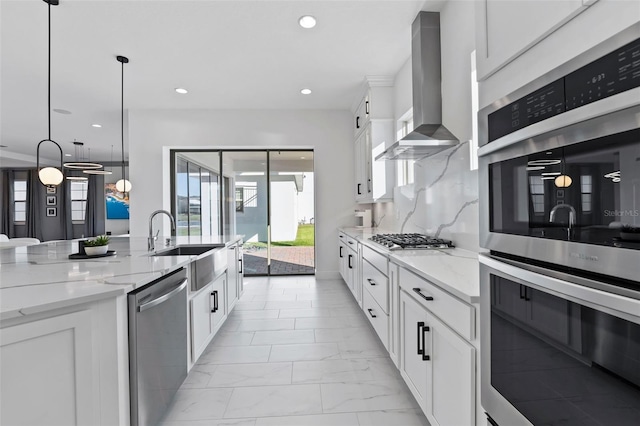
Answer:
(41, 277)
(456, 271)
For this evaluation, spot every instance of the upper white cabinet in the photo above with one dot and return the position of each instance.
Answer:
(374, 179)
(374, 131)
(506, 29)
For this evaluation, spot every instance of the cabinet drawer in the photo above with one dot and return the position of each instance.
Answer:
(378, 319)
(452, 311)
(352, 243)
(377, 284)
(376, 259)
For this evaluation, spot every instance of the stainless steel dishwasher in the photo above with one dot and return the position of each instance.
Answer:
(157, 346)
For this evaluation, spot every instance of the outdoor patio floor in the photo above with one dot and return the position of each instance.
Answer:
(284, 261)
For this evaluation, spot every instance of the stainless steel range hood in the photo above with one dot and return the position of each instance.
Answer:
(429, 135)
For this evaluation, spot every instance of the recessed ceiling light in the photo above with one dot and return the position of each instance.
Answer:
(61, 111)
(306, 91)
(181, 90)
(96, 125)
(307, 21)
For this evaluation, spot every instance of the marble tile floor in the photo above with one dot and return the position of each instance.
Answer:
(295, 352)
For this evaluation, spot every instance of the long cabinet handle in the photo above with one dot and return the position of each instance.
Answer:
(240, 260)
(372, 282)
(341, 251)
(358, 122)
(359, 193)
(371, 313)
(350, 266)
(419, 336)
(366, 107)
(425, 297)
(425, 330)
(215, 300)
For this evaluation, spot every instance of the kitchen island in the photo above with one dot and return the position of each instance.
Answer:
(63, 328)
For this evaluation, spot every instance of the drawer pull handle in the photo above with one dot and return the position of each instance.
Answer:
(371, 313)
(349, 263)
(215, 301)
(341, 252)
(417, 290)
(372, 282)
(425, 330)
(420, 325)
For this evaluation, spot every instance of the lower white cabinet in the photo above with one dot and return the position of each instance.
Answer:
(208, 310)
(437, 364)
(66, 367)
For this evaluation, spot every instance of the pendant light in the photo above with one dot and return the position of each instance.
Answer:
(99, 172)
(123, 185)
(49, 176)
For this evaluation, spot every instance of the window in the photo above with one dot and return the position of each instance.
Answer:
(20, 200)
(536, 185)
(78, 200)
(239, 199)
(405, 168)
(246, 195)
(585, 190)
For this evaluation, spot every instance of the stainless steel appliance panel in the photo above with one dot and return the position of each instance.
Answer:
(555, 351)
(158, 348)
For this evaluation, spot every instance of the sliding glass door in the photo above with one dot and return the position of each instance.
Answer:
(265, 195)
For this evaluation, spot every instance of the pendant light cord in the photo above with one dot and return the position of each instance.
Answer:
(49, 76)
(124, 176)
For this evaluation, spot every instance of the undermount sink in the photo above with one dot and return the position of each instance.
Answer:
(185, 251)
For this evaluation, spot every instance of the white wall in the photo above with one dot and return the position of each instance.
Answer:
(329, 133)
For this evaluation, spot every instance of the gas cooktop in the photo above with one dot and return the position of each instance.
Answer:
(410, 242)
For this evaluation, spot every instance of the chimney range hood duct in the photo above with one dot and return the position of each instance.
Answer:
(429, 136)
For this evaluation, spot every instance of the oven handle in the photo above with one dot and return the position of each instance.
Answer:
(577, 289)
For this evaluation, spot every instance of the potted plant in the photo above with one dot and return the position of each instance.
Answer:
(99, 245)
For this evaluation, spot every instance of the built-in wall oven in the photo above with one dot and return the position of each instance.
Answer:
(560, 215)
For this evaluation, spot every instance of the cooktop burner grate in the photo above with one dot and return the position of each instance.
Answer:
(410, 241)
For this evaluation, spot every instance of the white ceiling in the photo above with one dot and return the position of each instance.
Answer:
(229, 54)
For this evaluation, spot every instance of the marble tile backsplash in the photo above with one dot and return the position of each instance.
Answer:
(442, 201)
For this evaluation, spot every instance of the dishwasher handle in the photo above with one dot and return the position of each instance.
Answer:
(164, 297)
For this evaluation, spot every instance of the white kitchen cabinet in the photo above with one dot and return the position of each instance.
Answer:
(349, 259)
(375, 102)
(394, 314)
(207, 313)
(66, 366)
(374, 179)
(234, 274)
(201, 326)
(438, 366)
(218, 302)
(506, 29)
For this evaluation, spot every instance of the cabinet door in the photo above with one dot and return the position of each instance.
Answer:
(350, 272)
(201, 329)
(413, 368)
(506, 29)
(366, 155)
(342, 260)
(359, 167)
(232, 276)
(50, 362)
(451, 376)
(394, 314)
(217, 302)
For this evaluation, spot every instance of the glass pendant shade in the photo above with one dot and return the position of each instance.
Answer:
(123, 185)
(563, 181)
(50, 176)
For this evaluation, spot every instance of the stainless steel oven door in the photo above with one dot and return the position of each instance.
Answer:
(525, 212)
(557, 349)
